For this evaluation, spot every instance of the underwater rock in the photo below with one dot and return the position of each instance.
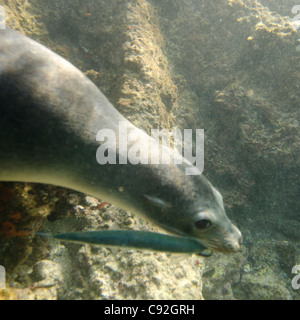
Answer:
(268, 272)
(228, 68)
(46, 273)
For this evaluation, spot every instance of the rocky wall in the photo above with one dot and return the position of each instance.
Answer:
(231, 68)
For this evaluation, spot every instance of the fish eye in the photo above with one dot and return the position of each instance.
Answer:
(202, 224)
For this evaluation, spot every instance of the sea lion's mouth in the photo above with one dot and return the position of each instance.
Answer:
(224, 246)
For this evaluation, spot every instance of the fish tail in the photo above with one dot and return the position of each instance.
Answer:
(43, 234)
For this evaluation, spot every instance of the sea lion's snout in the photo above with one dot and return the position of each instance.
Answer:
(234, 240)
(236, 244)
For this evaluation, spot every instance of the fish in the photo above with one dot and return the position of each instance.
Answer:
(143, 240)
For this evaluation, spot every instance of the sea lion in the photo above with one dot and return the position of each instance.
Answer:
(50, 114)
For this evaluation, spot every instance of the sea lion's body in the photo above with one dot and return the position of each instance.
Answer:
(50, 114)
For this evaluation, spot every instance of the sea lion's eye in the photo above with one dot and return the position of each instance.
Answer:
(202, 224)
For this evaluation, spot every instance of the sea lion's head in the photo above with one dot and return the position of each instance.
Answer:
(191, 206)
(212, 226)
